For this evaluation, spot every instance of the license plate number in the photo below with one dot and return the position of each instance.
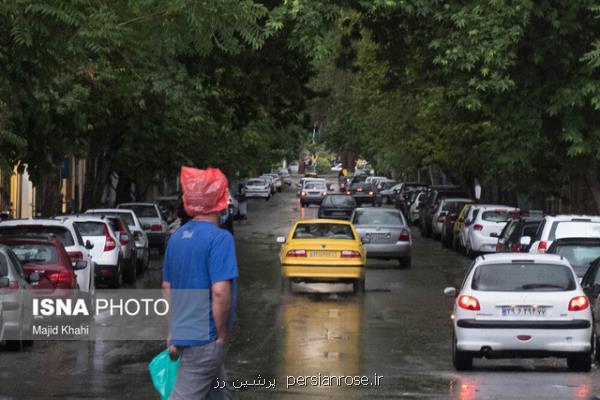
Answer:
(323, 253)
(524, 311)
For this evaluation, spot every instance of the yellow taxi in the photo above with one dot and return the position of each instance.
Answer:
(459, 225)
(322, 250)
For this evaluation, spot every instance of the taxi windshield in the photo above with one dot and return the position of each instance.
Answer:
(323, 231)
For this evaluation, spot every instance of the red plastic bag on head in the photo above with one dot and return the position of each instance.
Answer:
(204, 190)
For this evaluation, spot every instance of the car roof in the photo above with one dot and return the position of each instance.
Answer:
(83, 218)
(31, 240)
(524, 257)
(109, 211)
(493, 206)
(136, 204)
(323, 221)
(39, 221)
(448, 199)
(570, 217)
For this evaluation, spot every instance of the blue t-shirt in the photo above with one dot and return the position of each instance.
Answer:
(198, 255)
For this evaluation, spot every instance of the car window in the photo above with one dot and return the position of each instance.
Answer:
(339, 201)
(323, 231)
(495, 216)
(142, 211)
(529, 230)
(127, 217)
(566, 229)
(91, 228)
(579, 256)
(256, 182)
(315, 186)
(523, 277)
(377, 217)
(508, 230)
(63, 234)
(597, 278)
(35, 253)
(3, 265)
(16, 263)
(540, 230)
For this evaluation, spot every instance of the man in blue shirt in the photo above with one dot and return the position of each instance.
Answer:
(199, 276)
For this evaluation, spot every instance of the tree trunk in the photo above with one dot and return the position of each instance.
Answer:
(48, 196)
(594, 184)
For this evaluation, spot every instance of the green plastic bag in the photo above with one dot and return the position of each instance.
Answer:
(163, 371)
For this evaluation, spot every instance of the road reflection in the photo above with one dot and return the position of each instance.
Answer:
(321, 336)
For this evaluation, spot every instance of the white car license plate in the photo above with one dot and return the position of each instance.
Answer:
(524, 311)
(323, 253)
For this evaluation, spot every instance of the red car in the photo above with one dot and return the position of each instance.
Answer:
(50, 260)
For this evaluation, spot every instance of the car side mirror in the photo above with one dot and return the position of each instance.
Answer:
(494, 235)
(79, 265)
(4, 282)
(281, 239)
(88, 245)
(525, 241)
(34, 277)
(450, 292)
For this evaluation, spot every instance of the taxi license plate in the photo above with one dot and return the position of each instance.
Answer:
(323, 253)
(524, 311)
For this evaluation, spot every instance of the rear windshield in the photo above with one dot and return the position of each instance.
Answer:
(530, 230)
(339, 201)
(35, 253)
(256, 182)
(90, 228)
(315, 186)
(323, 231)
(143, 211)
(526, 277)
(495, 216)
(565, 229)
(363, 185)
(580, 256)
(127, 217)
(377, 217)
(62, 234)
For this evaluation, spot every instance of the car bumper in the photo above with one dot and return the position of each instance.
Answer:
(501, 337)
(483, 244)
(361, 199)
(263, 195)
(156, 239)
(322, 273)
(388, 250)
(105, 273)
(311, 199)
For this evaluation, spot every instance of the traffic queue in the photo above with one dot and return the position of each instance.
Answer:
(534, 298)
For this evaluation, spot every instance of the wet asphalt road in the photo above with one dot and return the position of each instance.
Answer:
(400, 331)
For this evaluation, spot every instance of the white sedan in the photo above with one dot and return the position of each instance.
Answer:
(521, 305)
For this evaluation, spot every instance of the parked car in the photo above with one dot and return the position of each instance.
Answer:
(448, 222)
(430, 202)
(388, 191)
(126, 240)
(142, 245)
(111, 269)
(155, 226)
(258, 187)
(483, 229)
(580, 252)
(385, 234)
(312, 192)
(47, 258)
(362, 192)
(271, 181)
(277, 181)
(16, 316)
(519, 306)
(591, 284)
(168, 207)
(445, 206)
(69, 236)
(322, 250)
(284, 174)
(517, 227)
(563, 226)
(458, 229)
(337, 206)
(406, 196)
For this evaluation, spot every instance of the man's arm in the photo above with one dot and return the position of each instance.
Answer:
(221, 308)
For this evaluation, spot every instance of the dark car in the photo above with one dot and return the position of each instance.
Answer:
(337, 206)
(362, 192)
(386, 193)
(580, 252)
(591, 281)
(431, 202)
(509, 240)
(447, 232)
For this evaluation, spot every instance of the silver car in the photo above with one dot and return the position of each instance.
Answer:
(155, 226)
(16, 316)
(384, 233)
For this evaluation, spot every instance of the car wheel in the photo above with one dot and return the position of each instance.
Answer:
(461, 360)
(162, 248)
(358, 287)
(580, 362)
(405, 263)
(268, 198)
(286, 286)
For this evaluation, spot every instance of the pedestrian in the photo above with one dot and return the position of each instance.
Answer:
(242, 201)
(199, 275)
